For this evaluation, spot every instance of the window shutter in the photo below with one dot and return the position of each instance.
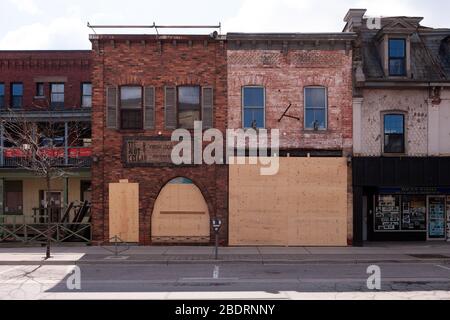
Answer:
(170, 107)
(111, 107)
(207, 107)
(149, 108)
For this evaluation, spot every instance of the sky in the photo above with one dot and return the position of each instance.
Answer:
(62, 24)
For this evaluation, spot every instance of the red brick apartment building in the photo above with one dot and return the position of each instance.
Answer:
(44, 87)
(300, 84)
(145, 87)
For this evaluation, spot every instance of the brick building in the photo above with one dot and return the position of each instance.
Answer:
(300, 84)
(401, 112)
(42, 88)
(144, 88)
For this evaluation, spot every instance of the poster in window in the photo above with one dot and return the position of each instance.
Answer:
(448, 217)
(414, 209)
(387, 215)
(436, 221)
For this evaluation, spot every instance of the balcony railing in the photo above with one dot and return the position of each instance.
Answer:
(74, 157)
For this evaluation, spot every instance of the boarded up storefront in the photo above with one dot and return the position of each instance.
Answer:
(304, 204)
(180, 214)
(124, 211)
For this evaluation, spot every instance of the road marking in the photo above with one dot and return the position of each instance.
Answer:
(446, 268)
(195, 280)
(117, 258)
(216, 272)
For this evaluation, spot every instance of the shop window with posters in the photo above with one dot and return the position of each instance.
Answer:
(401, 213)
(448, 218)
(436, 223)
(414, 213)
(387, 213)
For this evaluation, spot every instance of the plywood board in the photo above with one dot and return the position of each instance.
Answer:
(304, 204)
(180, 211)
(124, 211)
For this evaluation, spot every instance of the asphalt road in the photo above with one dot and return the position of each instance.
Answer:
(228, 281)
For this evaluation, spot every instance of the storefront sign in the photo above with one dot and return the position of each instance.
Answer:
(138, 152)
(416, 190)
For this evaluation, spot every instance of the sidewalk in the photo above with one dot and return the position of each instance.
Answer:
(371, 253)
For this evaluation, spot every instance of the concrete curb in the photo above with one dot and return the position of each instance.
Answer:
(222, 262)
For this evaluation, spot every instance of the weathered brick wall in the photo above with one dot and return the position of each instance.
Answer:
(377, 101)
(27, 66)
(284, 76)
(147, 62)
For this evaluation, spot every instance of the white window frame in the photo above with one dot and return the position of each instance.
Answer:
(326, 107)
(243, 106)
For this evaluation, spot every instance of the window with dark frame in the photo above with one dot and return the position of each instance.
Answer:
(394, 133)
(189, 106)
(86, 95)
(13, 196)
(40, 89)
(397, 57)
(57, 95)
(315, 108)
(2, 95)
(131, 114)
(16, 95)
(253, 105)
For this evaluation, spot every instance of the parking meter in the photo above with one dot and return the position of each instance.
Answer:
(216, 224)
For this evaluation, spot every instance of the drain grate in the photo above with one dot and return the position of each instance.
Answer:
(429, 256)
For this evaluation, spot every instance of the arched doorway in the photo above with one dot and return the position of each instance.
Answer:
(180, 214)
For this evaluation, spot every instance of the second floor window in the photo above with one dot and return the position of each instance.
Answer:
(16, 95)
(253, 105)
(57, 95)
(131, 108)
(394, 133)
(188, 106)
(315, 108)
(86, 95)
(2, 95)
(397, 57)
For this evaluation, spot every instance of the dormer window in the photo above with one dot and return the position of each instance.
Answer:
(397, 57)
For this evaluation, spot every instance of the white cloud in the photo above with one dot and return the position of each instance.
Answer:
(27, 6)
(59, 24)
(287, 16)
(61, 33)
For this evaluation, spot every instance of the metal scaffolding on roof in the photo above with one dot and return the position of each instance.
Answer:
(155, 26)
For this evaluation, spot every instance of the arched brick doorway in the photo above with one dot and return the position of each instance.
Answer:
(180, 214)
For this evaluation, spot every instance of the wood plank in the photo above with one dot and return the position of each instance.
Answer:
(304, 204)
(124, 211)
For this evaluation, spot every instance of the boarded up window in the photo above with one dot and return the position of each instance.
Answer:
(111, 107)
(124, 211)
(149, 105)
(170, 107)
(207, 107)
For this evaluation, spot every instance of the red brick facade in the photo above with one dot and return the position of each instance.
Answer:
(30, 67)
(156, 62)
(284, 75)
